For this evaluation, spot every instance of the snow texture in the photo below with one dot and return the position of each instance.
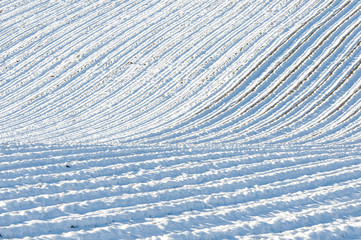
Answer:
(180, 119)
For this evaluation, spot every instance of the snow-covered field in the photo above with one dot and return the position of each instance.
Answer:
(180, 119)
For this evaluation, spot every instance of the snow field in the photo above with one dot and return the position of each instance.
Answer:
(177, 192)
(180, 71)
(180, 119)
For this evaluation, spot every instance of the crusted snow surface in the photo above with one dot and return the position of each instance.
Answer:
(180, 119)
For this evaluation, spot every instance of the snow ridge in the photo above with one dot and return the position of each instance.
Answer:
(180, 119)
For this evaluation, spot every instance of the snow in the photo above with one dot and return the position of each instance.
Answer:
(180, 119)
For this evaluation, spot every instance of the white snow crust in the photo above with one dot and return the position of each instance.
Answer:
(180, 119)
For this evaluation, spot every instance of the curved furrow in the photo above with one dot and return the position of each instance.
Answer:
(32, 82)
(95, 43)
(24, 31)
(351, 132)
(344, 104)
(271, 52)
(280, 121)
(306, 127)
(299, 113)
(308, 107)
(7, 15)
(253, 106)
(167, 113)
(133, 103)
(61, 23)
(180, 119)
